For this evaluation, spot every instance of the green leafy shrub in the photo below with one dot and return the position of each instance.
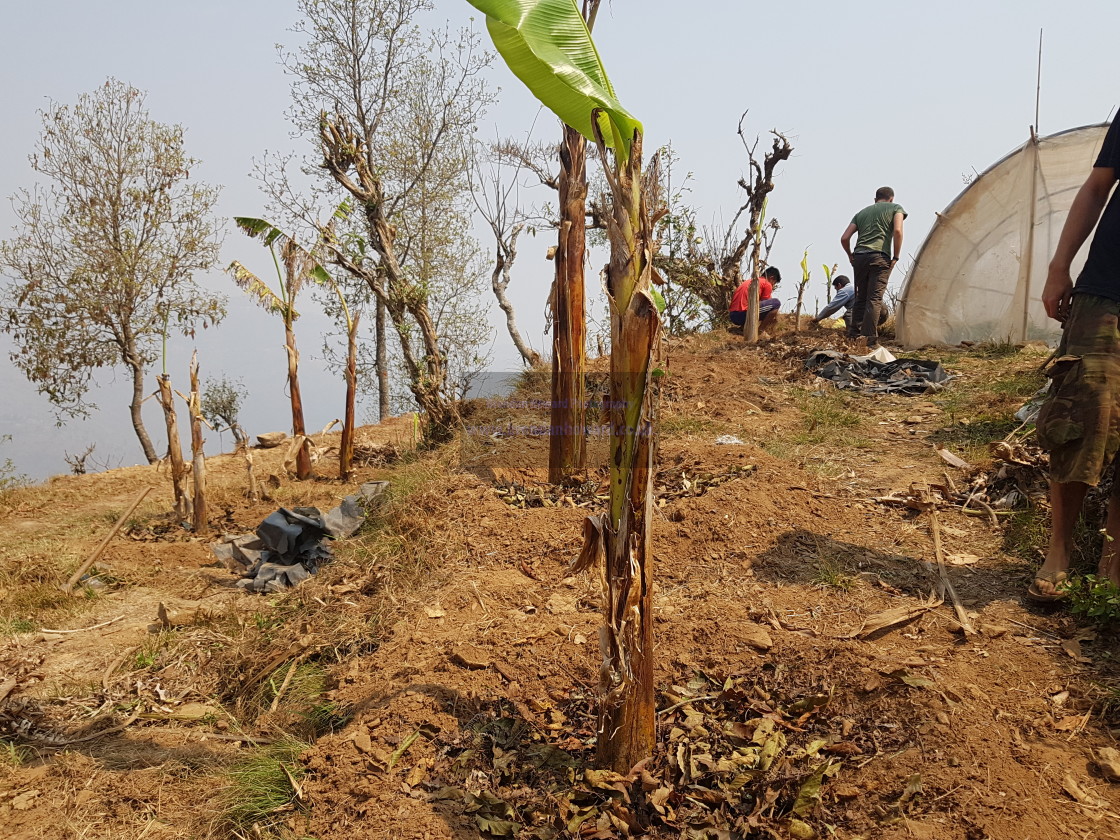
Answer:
(1094, 598)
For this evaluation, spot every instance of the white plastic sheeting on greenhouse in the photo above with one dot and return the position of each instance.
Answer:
(980, 272)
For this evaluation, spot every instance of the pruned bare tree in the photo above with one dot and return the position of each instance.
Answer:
(757, 185)
(391, 112)
(200, 523)
(77, 462)
(496, 193)
(716, 264)
(184, 507)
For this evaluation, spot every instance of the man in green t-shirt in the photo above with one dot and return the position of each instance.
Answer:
(879, 226)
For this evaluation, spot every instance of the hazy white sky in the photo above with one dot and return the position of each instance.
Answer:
(912, 95)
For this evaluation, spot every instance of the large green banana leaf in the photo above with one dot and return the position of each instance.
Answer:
(547, 45)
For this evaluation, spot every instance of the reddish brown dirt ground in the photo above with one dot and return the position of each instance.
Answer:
(769, 557)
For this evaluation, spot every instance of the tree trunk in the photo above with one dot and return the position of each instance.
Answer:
(303, 456)
(381, 362)
(346, 447)
(800, 300)
(199, 522)
(135, 407)
(253, 491)
(750, 327)
(405, 302)
(567, 441)
(626, 708)
(183, 506)
(499, 282)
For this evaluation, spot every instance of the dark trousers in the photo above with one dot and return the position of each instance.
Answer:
(738, 317)
(872, 270)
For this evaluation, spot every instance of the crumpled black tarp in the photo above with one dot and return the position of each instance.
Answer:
(902, 376)
(290, 544)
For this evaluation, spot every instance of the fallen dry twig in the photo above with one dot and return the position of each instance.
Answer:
(894, 617)
(115, 664)
(929, 505)
(112, 730)
(84, 629)
(283, 686)
(82, 569)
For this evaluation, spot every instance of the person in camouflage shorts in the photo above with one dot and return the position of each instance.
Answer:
(1080, 422)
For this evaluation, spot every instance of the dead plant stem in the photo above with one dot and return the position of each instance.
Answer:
(283, 686)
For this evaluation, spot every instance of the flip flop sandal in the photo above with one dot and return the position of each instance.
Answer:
(1039, 597)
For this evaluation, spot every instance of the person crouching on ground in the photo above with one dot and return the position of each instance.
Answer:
(768, 305)
(1080, 421)
(841, 299)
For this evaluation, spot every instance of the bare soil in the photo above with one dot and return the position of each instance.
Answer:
(462, 662)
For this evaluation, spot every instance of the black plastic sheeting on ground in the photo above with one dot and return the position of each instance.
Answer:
(291, 544)
(902, 376)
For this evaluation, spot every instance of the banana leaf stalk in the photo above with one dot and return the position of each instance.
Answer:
(184, 509)
(567, 441)
(626, 705)
(805, 274)
(828, 275)
(200, 523)
(547, 44)
(300, 265)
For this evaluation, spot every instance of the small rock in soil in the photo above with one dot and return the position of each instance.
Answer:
(756, 636)
(470, 657)
(269, 440)
(1108, 763)
(561, 603)
(362, 741)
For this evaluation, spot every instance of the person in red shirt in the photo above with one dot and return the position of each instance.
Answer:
(768, 305)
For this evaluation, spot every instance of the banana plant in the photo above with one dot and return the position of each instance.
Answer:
(547, 45)
(829, 272)
(298, 265)
(805, 274)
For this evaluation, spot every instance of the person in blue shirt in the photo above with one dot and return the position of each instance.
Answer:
(845, 294)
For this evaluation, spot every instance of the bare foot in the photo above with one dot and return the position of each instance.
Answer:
(1049, 578)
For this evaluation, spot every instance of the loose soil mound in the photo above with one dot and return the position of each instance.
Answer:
(463, 693)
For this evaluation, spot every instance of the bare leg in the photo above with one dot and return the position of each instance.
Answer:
(1065, 507)
(1110, 552)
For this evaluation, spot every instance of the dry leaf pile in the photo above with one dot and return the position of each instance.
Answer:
(669, 484)
(1019, 472)
(733, 761)
(372, 454)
